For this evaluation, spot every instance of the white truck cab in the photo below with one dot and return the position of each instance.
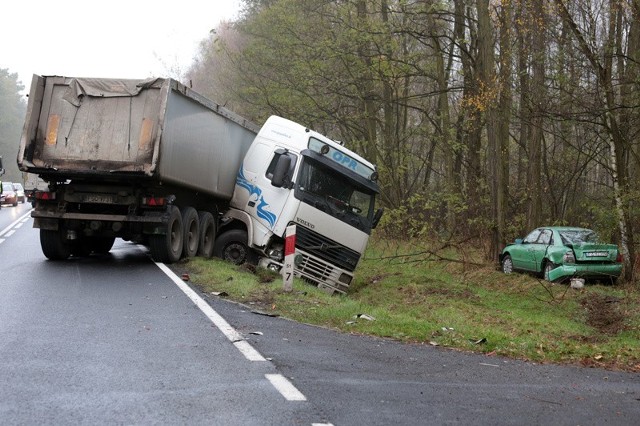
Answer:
(293, 175)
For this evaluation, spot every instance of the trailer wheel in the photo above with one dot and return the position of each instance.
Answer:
(191, 230)
(232, 246)
(53, 245)
(167, 248)
(207, 234)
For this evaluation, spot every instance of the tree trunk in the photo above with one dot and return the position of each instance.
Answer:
(486, 71)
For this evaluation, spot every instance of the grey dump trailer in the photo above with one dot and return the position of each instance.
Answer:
(149, 161)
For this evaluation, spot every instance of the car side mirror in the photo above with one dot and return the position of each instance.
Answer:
(279, 178)
(376, 218)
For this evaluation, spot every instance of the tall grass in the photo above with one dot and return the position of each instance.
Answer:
(419, 295)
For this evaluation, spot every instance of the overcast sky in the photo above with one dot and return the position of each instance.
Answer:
(114, 38)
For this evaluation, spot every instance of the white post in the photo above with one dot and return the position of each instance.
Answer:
(289, 255)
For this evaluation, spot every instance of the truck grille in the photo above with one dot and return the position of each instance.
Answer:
(326, 249)
(322, 274)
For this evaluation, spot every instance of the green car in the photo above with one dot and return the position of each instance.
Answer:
(558, 253)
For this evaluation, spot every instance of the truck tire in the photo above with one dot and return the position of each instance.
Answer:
(232, 246)
(207, 234)
(191, 231)
(54, 246)
(167, 248)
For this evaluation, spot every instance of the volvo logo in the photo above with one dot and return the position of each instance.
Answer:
(305, 223)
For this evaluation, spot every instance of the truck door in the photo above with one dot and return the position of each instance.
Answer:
(266, 202)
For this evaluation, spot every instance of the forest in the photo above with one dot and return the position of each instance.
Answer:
(486, 118)
(12, 110)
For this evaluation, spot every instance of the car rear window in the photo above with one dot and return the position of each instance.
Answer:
(578, 236)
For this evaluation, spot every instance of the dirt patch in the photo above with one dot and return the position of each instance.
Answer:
(604, 313)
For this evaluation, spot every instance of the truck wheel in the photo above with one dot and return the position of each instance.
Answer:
(167, 248)
(232, 246)
(191, 230)
(207, 234)
(53, 245)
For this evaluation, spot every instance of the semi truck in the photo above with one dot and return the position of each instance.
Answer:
(154, 162)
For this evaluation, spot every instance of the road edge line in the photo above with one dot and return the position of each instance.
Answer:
(231, 333)
(285, 387)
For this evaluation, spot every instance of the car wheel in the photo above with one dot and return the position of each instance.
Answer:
(507, 264)
(548, 267)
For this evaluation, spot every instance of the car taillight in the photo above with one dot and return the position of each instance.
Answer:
(619, 258)
(154, 201)
(569, 257)
(45, 195)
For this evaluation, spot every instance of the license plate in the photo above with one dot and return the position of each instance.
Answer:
(98, 198)
(597, 254)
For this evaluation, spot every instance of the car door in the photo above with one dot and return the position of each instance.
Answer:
(538, 250)
(520, 253)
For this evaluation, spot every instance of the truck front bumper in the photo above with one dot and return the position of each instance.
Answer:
(324, 275)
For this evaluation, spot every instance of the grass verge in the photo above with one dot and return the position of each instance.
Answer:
(418, 296)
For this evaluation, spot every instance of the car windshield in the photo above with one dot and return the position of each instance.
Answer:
(6, 186)
(578, 236)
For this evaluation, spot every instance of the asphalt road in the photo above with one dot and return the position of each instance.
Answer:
(116, 340)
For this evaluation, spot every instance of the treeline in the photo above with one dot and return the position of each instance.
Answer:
(12, 111)
(486, 118)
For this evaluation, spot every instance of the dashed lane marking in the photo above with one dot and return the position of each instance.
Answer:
(285, 387)
(9, 230)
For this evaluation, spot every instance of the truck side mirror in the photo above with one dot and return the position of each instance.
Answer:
(376, 218)
(279, 178)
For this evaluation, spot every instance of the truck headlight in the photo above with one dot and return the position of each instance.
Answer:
(275, 253)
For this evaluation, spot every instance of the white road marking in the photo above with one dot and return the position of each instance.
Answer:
(5, 230)
(282, 385)
(285, 387)
(236, 338)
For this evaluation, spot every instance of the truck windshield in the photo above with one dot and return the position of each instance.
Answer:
(335, 194)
